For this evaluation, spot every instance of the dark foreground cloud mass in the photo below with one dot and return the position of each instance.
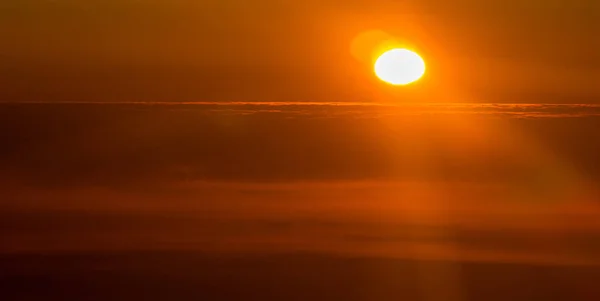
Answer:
(322, 176)
(295, 201)
(99, 143)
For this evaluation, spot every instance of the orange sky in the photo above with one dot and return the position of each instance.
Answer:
(506, 51)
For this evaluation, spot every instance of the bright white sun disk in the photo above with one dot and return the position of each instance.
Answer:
(399, 67)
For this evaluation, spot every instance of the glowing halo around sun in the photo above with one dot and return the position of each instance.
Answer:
(399, 66)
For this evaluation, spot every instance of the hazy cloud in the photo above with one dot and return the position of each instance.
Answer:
(347, 109)
(94, 143)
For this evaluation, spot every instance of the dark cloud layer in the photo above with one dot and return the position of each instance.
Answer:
(481, 182)
(112, 143)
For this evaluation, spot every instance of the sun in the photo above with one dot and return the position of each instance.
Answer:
(399, 66)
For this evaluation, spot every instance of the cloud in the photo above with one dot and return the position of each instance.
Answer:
(372, 218)
(136, 143)
(352, 109)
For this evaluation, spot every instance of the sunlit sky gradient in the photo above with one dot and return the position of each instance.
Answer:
(250, 126)
(155, 50)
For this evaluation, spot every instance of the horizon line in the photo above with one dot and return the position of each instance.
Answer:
(307, 103)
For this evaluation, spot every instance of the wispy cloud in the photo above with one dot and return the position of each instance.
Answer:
(356, 109)
(371, 218)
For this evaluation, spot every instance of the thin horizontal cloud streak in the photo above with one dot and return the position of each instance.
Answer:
(354, 109)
